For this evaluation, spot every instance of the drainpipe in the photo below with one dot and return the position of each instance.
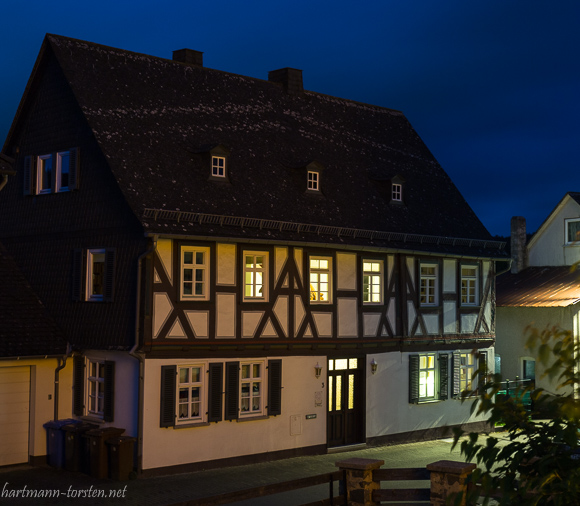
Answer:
(139, 356)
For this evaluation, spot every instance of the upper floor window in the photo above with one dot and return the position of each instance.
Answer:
(218, 166)
(44, 174)
(428, 285)
(372, 281)
(572, 230)
(320, 279)
(313, 183)
(57, 172)
(255, 275)
(195, 272)
(397, 192)
(469, 285)
(93, 274)
(62, 171)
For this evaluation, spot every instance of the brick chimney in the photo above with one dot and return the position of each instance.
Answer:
(189, 56)
(518, 244)
(290, 79)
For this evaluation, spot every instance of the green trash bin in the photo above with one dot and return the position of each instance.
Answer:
(98, 461)
(76, 456)
(121, 457)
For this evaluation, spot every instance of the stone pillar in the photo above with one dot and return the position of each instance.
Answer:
(448, 478)
(359, 480)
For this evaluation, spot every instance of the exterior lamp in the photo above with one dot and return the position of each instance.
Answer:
(317, 370)
(374, 366)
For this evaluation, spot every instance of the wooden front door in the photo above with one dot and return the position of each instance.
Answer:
(345, 402)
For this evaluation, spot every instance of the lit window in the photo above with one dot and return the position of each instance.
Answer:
(572, 231)
(320, 279)
(44, 174)
(313, 181)
(372, 281)
(95, 274)
(427, 377)
(428, 287)
(468, 285)
(194, 273)
(96, 387)
(255, 275)
(218, 166)
(397, 194)
(190, 394)
(466, 371)
(251, 389)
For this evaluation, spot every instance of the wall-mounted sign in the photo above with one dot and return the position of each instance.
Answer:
(310, 417)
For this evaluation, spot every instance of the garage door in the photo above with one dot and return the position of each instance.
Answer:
(15, 402)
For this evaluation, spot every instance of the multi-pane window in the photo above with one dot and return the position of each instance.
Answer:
(572, 230)
(255, 275)
(189, 393)
(44, 174)
(313, 181)
(397, 192)
(427, 377)
(428, 285)
(251, 389)
(95, 274)
(468, 285)
(372, 281)
(218, 166)
(466, 371)
(194, 273)
(62, 171)
(96, 387)
(320, 279)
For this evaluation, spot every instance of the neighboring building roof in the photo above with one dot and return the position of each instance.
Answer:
(26, 328)
(6, 165)
(153, 118)
(539, 287)
(575, 196)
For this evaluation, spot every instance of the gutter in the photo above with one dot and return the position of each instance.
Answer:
(140, 356)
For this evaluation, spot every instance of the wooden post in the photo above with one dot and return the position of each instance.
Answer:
(359, 480)
(448, 478)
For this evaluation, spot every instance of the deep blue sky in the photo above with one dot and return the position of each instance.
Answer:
(491, 86)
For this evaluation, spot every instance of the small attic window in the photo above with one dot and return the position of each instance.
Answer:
(313, 183)
(218, 166)
(397, 184)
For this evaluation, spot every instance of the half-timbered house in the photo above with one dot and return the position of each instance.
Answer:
(245, 269)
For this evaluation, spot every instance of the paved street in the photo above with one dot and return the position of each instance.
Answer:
(179, 489)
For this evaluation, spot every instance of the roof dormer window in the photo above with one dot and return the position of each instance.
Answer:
(313, 183)
(218, 166)
(397, 184)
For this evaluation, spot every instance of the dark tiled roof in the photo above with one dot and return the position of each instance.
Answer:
(152, 117)
(539, 287)
(26, 329)
(6, 165)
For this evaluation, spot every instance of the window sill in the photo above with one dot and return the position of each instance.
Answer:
(429, 401)
(191, 425)
(252, 418)
(91, 419)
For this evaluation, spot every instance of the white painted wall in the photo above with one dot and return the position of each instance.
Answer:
(388, 408)
(170, 446)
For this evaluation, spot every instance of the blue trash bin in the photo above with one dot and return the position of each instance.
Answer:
(55, 441)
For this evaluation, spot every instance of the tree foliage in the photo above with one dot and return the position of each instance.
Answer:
(536, 460)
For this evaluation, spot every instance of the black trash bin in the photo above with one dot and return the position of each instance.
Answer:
(76, 455)
(121, 457)
(98, 461)
(55, 441)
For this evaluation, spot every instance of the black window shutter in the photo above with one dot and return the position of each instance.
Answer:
(456, 371)
(168, 397)
(274, 387)
(414, 379)
(78, 275)
(109, 394)
(232, 390)
(53, 184)
(79, 385)
(215, 388)
(28, 174)
(73, 169)
(443, 376)
(482, 359)
(109, 283)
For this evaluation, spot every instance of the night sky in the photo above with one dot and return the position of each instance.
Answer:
(491, 86)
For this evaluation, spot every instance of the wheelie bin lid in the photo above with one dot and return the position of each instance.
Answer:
(105, 431)
(59, 424)
(80, 427)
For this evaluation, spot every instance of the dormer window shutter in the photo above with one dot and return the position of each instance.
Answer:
(109, 282)
(78, 277)
(28, 176)
(73, 170)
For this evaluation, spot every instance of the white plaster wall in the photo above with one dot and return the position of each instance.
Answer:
(388, 408)
(42, 397)
(126, 389)
(548, 248)
(168, 446)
